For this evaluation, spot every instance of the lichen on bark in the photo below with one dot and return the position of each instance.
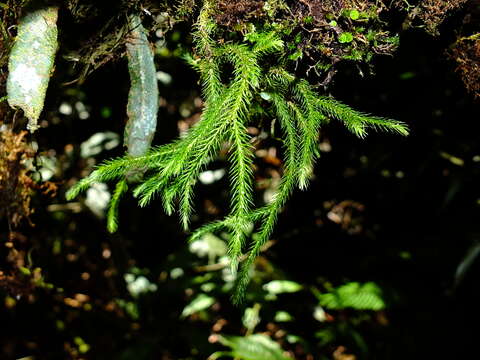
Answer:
(31, 62)
(142, 104)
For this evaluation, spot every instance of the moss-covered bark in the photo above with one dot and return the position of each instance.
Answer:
(142, 104)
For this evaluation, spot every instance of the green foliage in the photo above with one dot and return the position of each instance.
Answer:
(201, 302)
(112, 215)
(354, 14)
(345, 37)
(88, 278)
(353, 295)
(171, 171)
(253, 347)
(282, 286)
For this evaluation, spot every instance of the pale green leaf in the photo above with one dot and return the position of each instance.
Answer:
(199, 303)
(282, 286)
(254, 347)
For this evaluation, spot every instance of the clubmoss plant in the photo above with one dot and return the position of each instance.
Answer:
(171, 171)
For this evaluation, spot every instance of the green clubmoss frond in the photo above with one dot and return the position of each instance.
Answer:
(112, 215)
(358, 122)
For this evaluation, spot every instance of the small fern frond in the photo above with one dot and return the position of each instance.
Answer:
(147, 190)
(208, 144)
(354, 295)
(205, 27)
(246, 70)
(205, 47)
(118, 168)
(279, 76)
(265, 42)
(112, 215)
(310, 120)
(186, 207)
(386, 125)
(190, 60)
(169, 195)
(81, 186)
(269, 213)
(291, 143)
(108, 171)
(308, 151)
(356, 121)
(187, 156)
(247, 78)
(212, 227)
(243, 277)
(241, 176)
(210, 77)
(250, 347)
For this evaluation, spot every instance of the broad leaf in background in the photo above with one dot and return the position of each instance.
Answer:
(201, 302)
(276, 287)
(353, 295)
(253, 347)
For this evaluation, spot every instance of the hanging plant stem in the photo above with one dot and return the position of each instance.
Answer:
(142, 108)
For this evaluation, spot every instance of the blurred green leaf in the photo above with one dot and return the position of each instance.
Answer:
(453, 159)
(106, 112)
(345, 37)
(99, 142)
(265, 96)
(283, 316)
(407, 75)
(209, 245)
(354, 295)
(25, 271)
(282, 286)
(253, 347)
(354, 14)
(201, 302)
(296, 55)
(130, 308)
(319, 314)
(325, 336)
(251, 317)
